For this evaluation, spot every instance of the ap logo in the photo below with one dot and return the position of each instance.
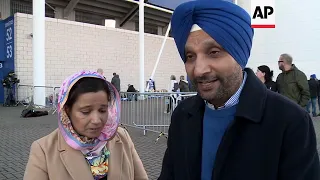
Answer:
(263, 14)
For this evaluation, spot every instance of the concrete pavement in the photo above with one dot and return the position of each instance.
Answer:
(17, 134)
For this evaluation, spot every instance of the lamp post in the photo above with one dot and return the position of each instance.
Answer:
(38, 46)
(141, 46)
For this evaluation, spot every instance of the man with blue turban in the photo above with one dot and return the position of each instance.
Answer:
(235, 128)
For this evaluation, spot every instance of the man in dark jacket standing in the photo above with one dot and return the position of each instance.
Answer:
(234, 129)
(115, 81)
(314, 91)
(183, 85)
(292, 82)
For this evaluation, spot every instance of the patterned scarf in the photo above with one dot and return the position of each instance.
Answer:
(95, 150)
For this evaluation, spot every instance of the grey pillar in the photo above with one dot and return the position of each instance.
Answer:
(59, 14)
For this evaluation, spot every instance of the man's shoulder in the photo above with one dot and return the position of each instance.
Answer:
(186, 105)
(283, 107)
(300, 73)
(280, 75)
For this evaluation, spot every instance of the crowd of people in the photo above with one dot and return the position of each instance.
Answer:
(293, 84)
(115, 81)
(234, 128)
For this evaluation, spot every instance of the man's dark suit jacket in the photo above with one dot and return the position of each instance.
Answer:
(271, 138)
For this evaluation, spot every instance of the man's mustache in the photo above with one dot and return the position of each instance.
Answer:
(205, 79)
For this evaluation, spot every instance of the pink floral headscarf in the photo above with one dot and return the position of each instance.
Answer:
(72, 138)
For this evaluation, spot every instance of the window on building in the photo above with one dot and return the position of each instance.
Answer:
(25, 7)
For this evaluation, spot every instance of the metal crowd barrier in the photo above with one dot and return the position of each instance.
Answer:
(55, 97)
(150, 111)
(24, 96)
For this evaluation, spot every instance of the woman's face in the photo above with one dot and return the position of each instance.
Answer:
(260, 74)
(89, 113)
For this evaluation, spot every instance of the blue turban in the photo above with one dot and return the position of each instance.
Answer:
(228, 24)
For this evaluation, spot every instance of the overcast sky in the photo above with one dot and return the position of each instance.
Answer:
(172, 4)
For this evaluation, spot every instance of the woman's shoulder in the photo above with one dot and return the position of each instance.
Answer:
(49, 140)
(123, 135)
(273, 83)
(270, 83)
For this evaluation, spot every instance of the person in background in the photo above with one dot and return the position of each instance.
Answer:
(235, 128)
(88, 144)
(265, 76)
(152, 85)
(131, 90)
(292, 82)
(183, 85)
(173, 87)
(314, 93)
(115, 81)
(100, 71)
(318, 96)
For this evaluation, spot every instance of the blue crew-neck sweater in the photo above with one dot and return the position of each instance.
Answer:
(215, 123)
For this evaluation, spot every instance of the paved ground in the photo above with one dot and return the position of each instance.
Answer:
(135, 112)
(17, 134)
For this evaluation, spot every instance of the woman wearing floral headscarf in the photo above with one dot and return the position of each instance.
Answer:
(88, 145)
